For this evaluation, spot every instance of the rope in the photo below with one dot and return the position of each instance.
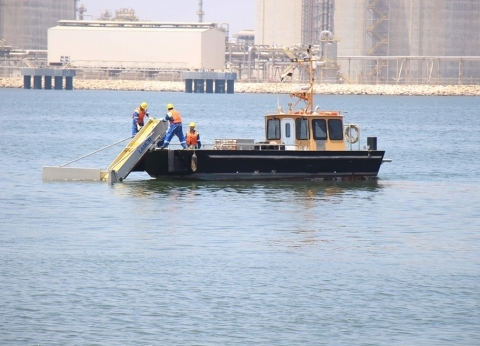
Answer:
(96, 151)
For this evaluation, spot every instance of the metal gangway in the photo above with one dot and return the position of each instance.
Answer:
(121, 166)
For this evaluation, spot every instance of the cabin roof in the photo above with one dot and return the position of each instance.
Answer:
(318, 114)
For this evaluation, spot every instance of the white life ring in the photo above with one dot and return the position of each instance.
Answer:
(351, 133)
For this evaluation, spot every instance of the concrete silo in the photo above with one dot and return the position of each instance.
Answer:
(24, 24)
(445, 29)
(293, 22)
(435, 27)
(278, 22)
(418, 38)
(382, 41)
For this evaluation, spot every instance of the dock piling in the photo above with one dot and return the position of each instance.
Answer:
(27, 82)
(209, 86)
(37, 82)
(47, 82)
(209, 82)
(46, 74)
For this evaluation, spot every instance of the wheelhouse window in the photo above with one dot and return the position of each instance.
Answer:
(288, 130)
(273, 129)
(301, 129)
(335, 129)
(319, 129)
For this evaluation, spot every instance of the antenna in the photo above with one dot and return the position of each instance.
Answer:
(200, 12)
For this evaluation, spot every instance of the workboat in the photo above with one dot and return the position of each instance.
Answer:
(301, 143)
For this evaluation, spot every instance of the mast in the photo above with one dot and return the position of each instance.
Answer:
(310, 78)
(303, 93)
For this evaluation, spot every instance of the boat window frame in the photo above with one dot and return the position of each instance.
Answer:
(315, 136)
(298, 129)
(337, 131)
(277, 128)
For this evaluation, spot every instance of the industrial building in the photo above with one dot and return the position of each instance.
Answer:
(24, 24)
(132, 45)
(359, 41)
(382, 41)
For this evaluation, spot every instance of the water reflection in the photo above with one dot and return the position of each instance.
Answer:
(308, 191)
(279, 215)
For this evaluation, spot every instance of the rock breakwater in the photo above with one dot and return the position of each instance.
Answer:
(276, 88)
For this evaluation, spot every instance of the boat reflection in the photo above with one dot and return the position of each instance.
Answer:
(278, 215)
(307, 191)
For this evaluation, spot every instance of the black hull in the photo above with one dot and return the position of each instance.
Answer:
(261, 164)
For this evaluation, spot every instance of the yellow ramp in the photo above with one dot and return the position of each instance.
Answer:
(123, 164)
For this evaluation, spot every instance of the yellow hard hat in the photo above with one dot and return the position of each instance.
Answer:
(169, 106)
(192, 124)
(143, 105)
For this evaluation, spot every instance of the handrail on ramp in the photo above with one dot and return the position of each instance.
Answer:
(96, 151)
(123, 164)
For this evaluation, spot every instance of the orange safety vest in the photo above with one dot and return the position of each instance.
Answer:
(141, 115)
(177, 119)
(192, 138)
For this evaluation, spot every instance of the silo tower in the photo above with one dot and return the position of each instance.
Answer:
(433, 29)
(24, 24)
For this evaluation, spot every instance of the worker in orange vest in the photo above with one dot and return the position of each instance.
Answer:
(193, 137)
(175, 129)
(137, 118)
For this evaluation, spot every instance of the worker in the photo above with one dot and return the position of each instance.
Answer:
(193, 138)
(137, 118)
(175, 119)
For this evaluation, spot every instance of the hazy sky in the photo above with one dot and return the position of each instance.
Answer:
(239, 14)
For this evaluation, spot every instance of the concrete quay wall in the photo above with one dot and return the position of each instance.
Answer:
(271, 88)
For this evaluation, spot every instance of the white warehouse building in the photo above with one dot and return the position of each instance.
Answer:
(192, 46)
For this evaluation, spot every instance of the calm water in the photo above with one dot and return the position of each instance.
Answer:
(391, 262)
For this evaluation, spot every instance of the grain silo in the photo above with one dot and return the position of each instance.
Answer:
(24, 24)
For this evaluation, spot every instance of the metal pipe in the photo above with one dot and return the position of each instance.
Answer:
(326, 15)
(266, 71)
(331, 11)
(408, 57)
(105, 23)
(17, 54)
(250, 49)
(227, 30)
(29, 51)
(325, 35)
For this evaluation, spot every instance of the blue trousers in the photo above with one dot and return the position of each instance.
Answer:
(175, 130)
(134, 128)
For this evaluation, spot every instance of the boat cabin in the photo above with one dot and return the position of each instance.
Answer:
(322, 130)
(302, 127)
